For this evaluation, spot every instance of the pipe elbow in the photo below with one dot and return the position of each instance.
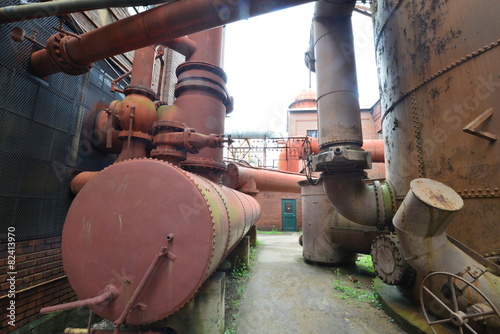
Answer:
(361, 203)
(81, 180)
(420, 224)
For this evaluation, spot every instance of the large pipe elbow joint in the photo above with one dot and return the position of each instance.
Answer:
(354, 199)
(420, 224)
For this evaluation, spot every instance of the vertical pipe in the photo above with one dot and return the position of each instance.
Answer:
(142, 71)
(338, 105)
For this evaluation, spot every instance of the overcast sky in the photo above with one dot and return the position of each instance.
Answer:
(264, 61)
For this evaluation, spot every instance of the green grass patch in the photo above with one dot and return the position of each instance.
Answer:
(365, 263)
(354, 291)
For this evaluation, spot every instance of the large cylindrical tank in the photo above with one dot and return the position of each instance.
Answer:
(123, 218)
(439, 72)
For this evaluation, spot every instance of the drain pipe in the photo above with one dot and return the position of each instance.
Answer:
(75, 55)
(341, 158)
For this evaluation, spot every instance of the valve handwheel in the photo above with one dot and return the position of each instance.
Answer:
(458, 318)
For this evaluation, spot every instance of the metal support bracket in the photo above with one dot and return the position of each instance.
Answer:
(472, 129)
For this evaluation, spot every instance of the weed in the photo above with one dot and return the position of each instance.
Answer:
(235, 290)
(353, 290)
(365, 263)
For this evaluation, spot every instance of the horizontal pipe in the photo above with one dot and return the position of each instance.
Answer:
(59, 7)
(154, 26)
(254, 180)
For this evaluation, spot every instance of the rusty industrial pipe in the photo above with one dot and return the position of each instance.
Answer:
(338, 99)
(134, 116)
(44, 9)
(341, 158)
(369, 204)
(420, 223)
(162, 23)
(202, 103)
(110, 293)
(184, 45)
(253, 180)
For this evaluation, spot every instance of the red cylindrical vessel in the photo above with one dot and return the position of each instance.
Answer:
(128, 213)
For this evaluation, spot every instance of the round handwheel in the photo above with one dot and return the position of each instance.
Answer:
(458, 318)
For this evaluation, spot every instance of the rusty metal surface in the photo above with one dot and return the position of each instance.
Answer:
(142, 69)
(338, 105)
(123, 217)
(154, 26)
(327, 236)
(420, 224)
(253, 180)
(437, 77)
(37, 10)
(316, 226)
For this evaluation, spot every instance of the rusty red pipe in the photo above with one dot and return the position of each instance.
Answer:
(110, 294)
(162, 23)
(142, 70)
(44, 9)
(184, 45)
(201, 103)
(254, 180)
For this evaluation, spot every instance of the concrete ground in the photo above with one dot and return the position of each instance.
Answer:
(287, 295)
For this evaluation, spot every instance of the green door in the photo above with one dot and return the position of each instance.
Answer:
(288, 215)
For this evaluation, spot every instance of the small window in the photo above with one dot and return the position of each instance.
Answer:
(288, 207)
(312, 133)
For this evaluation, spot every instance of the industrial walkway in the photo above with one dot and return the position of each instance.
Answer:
(287, 295)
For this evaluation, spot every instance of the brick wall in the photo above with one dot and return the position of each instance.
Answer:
(300, 122)
(270, 203)
(40, 280)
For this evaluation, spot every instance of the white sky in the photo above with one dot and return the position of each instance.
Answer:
(264, 61)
